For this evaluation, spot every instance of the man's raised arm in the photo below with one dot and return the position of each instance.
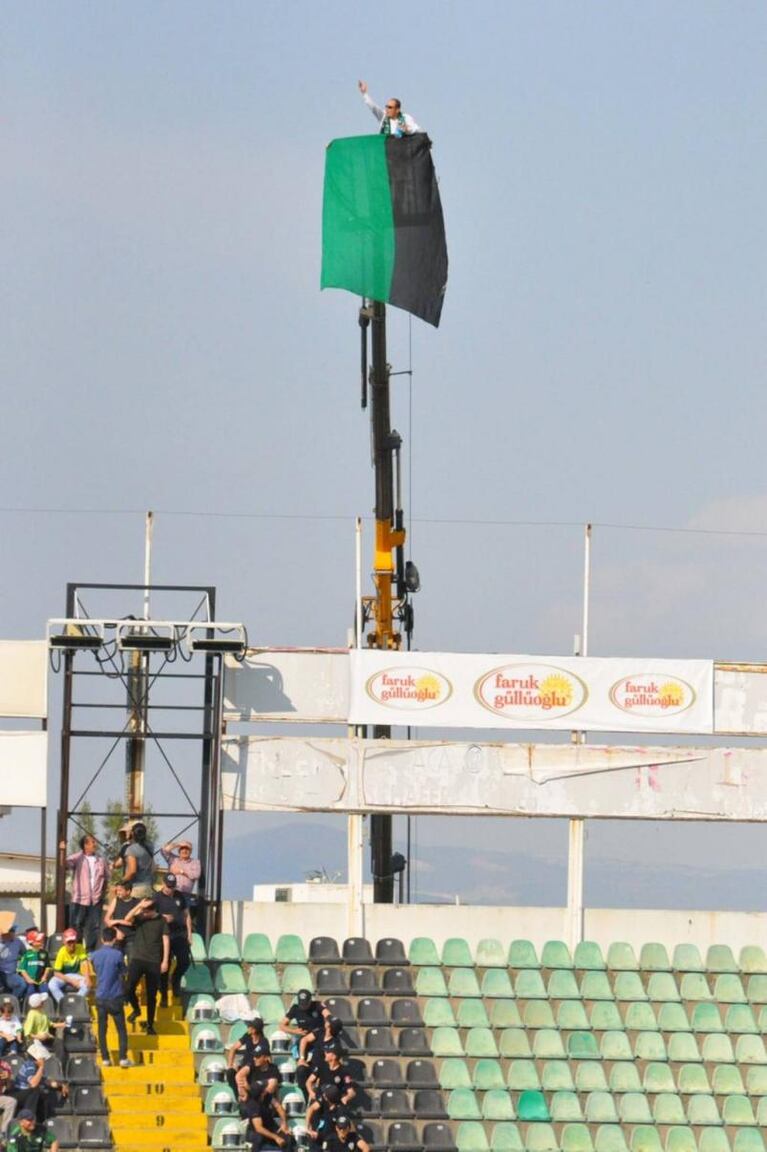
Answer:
(377, 112)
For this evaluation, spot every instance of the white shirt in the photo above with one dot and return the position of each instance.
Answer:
(407, 129)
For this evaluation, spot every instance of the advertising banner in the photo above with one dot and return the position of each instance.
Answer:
(450, 690)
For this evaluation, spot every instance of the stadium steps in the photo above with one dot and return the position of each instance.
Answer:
(155, 1105)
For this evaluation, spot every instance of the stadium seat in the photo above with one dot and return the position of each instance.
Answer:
(706, 1018)
(761, 1112)
(659, 1078)
(446, 1042)
(395, 1102)
(372, 1013)
(624, 1077)
(456, 953)
(201, 1007)
(438, 1013)
(522, 1076)
(423, 952)
(401, 1136)
(687, 958)
(496, 984)
(600, 1108)
(504, 1014)
(562, 985)
(571, 1016)
(331, 982)
(748, 1140)
(462, 1105)
(472, 1014)
(728, 989)
(488, 1074)
(356, 950)
(197, 979)
(513, 1043)
(480, 1043)
(548, 1045)
(212, 1070)
(556, 954)
(497, 1105)
(719, 958)
(541, 1138)
(753, 959)
(737, 1110)
(750, 1050)
(640, 1018)
(81, 1070)
(223, 947)
(463, 982)
(490, 954)
(290, 950)
(668, 1109)
(634, 1109)
(679, 1138)
(505, 1137)
(295, 977)
(583, 1046)
(717, 1049)
(414, 1042)
(673, 1018)
(595, 985)
(93, 1132)
(713, 1140)
(422, 1074)
(220, 1100)
(75, 1006)
(428, 1104)
(262, 979)
(538, 1014)
(628, 986)
(650, 1046)
(272, 1010)
(621, 958)
(379, 1042)
(227, 1134)
(604, 1015)
(528, 985)
(454, 1073)
(756, 988)
(532, 1107)
(430, 981)
(206, 1037)
(556, 1076)
(405, 1013)
(756, 1081)
(695, 987)
(470, 1137)
(522, 954)
(661, 988)
(739, 1020)
(364, 982)
(199, 951)
(257, 949)
(702, 1111)
(590, 1078)
(565, 1108)
(391, 951)
(588, 957)
(615, 1046)
(89, 1101)
(610, 1138)
(64, 1130)
(654, 958)
(576, 1138)
(439, 1138)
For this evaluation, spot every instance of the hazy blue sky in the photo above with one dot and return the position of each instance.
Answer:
(164, 344)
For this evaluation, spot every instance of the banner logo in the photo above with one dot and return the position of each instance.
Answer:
(407, 688)
(532, 692)
(650, 695)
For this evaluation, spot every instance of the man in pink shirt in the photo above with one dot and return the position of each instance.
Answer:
(89, 883)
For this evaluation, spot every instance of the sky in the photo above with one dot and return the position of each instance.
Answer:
(601, 357)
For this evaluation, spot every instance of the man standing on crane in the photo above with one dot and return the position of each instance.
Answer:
(392, 120)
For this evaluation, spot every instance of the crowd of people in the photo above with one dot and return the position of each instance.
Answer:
(117, 938)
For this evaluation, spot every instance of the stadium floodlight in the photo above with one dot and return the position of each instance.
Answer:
(146, 636)
(74, 636)
(217, 639)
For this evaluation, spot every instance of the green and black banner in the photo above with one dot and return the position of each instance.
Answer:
(383, 235)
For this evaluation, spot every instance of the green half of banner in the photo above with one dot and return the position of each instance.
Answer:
(383, 234)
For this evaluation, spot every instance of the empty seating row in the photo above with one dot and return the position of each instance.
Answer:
(505, 1136)
(550, 1044)
(290, 949)
(88, 1132)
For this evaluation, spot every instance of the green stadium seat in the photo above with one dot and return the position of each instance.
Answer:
(488, 1074)
(446, 1042)
(600, 1108)
(640, 1018)
(713, 1140)
(497, 1105)
(750, 1050)
(654, 958)
(756, 988)
(223, 946)
(615, 1046)
(628, 986)
(683, 1048)
(522, 954)
(673, 1018)
(717, 1049)
(590, 1078)
(263, 980)
(513, 1043)
(748, 1140)
(490, 954)
(687, 958)
(576, 1138)
(761, 1112)
(295, 977)
(480, 1042)
(702, 1111)
(668, 1109)
(212, 1069)
(726, 1080)
(505, 1137)
(659, 1078)
(624, 1077)
(645, 1138)
(565, 1108)
(438, 1013)
(199, 951)
(532, 1107)
(728, 989)
(719, 958)
(604, 1015)
(471, 1137)
(588, 957)
(220, 1099)
(538, 1014)
(738, 1111)
(680, 1138)
(505, 1014)
(706, 1018)
(472, 1014)
(496, 984)
(290, 950)
(695, 987)
(661, 988)
(529, 985)
(430, 982)
(423, 952)
(634, 1109)
(739, 1020)
(201, 1006)
(206, 1037)
(650, 1046)
(270, 1008)
(621, 958)
(583, 1046)
(456, 953)
(227, 1133)
(463, 982)
(257, 949)
(556, 1076)
(756, 1081)
(563, 986)
(571, 1016)
(753, 959)
(692, 1079)
(454, 1073)
(556, 954)
(610, 1138)
(236, 1032)
(548, 1045)
(763, 1019)
(596, 986)
(541, 1138)
(462, 1105)
(522, 1076)
(197, 979)
(229, 980)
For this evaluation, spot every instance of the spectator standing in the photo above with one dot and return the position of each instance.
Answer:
(70, 968)
(34, 965)
(7, 1100)
(174, 909)
(150, 952)
(116, 914)
(185, 867)
(138, 859)
(90, 873)
(108, 964)
(11, 951)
